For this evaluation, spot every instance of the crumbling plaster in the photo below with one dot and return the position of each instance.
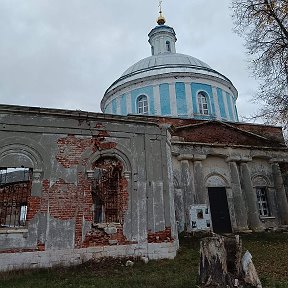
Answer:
(61, 150)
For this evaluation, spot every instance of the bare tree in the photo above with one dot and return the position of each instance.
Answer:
(264, 25)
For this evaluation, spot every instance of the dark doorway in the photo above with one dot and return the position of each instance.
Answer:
(219, 210)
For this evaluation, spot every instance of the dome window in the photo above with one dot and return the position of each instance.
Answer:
(203, 103)
(152, 50)
(142, 105)
(168, 46)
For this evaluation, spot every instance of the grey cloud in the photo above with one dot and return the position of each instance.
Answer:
(66, 53)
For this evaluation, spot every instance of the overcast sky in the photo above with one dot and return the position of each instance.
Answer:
(66, 53)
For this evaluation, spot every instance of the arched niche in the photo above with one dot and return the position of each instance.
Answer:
(22, 153)
(18, 155)
(216, 180)
(260, 181)
(127, 169)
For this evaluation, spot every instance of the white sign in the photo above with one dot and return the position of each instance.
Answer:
(200, 218)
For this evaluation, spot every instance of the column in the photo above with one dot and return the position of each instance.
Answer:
(186, 179)
(280, 193)
(239, 203)
(199, 183)
(254, 222)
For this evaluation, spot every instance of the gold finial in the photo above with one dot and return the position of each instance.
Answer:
(161, 19)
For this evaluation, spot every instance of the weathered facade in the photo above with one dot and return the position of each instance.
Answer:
(99, 185)
(77, 185)
(233, 169)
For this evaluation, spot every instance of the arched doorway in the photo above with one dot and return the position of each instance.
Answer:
(219, 208)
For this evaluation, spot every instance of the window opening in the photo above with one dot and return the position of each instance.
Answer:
(152, 50)
(203, 104)
(15, 187)
(262, 201)
(106, 191)
(142, 105)
(168, 46)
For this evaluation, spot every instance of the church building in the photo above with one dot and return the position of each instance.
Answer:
(168, 154)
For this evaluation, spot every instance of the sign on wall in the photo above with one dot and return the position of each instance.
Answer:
(200, 218)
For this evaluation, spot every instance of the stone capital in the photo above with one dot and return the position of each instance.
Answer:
(90, 174)
(182, 157)
(37, 175)
(199, 157)
(191, 157)
(238, 158)
(127, 174)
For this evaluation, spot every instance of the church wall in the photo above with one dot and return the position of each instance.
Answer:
(63, 149)
(241, 172)
(220, 99)
(262, 176)
(178, 98)
(165, 100)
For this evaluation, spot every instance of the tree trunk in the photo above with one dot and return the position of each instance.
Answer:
(221, 265)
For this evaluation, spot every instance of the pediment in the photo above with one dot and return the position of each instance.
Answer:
(216, 132)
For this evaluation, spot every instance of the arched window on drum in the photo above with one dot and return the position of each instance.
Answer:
(168, 46)
(142, 105)
(203, 103)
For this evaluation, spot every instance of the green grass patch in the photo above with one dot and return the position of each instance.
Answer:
(269, 251)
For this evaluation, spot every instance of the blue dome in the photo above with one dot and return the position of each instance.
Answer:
(171, 84)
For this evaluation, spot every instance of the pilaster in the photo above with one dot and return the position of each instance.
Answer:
(254, 222)
(238, 199)
(280, 193)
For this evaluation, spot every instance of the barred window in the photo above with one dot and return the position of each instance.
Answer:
(106, 194)
(203, 104)
(15, 187)
(262, 201)
(142, 105)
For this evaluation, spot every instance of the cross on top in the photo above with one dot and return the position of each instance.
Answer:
(160, 5)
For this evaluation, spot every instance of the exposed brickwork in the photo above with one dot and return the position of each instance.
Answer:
(98, 237)
(217, 133)
(161, 236)
(68, 201)
(117, 202)
(71, 148)
(34, 205)
(38, 204)
(111, 188)
(12, 196)
(206, 132)
(63, 200)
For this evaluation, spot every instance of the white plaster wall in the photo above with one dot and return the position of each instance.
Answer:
(69, 257)
(214, 165)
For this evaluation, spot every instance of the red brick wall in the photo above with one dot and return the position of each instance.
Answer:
(68, 201)
(161, 236)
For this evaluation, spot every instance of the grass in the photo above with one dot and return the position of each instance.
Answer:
(269, 251)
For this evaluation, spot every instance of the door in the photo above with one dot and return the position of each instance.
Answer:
(219, 210)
